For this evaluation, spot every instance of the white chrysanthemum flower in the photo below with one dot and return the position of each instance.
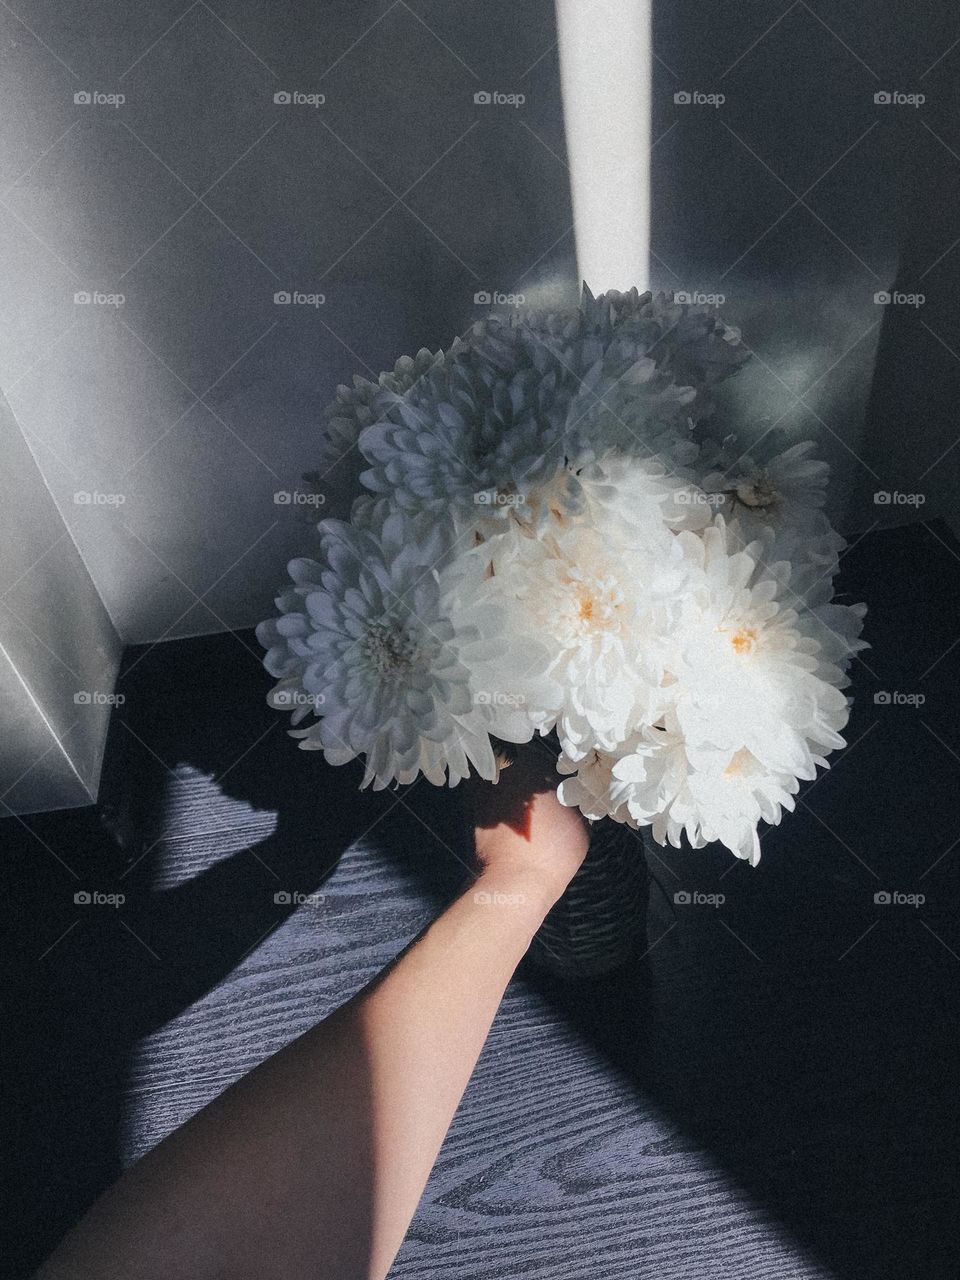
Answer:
(601, 600)
(715, 795)
(469, 440)
(402, 668)
(589, 784)
(782, 493)
(747, 674)
(356, 407)
(751, 688)
(493, 425)
(642, 493)
(539, 550)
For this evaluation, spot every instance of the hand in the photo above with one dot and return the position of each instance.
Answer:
(522, 833)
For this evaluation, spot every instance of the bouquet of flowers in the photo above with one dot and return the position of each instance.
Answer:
(548, 541)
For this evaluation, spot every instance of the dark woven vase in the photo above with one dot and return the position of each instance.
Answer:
(600, 923)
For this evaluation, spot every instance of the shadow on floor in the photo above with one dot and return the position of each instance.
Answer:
(803, 1034)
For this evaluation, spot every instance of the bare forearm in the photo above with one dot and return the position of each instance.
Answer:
(313, 1165)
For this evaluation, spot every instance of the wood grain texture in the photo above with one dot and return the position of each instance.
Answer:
(772, 1092)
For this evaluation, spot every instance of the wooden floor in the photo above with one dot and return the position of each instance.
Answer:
(773, 1092)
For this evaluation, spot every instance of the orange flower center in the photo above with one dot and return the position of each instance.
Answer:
(744, 640)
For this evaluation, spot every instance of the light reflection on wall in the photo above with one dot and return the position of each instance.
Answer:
(605, 60)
